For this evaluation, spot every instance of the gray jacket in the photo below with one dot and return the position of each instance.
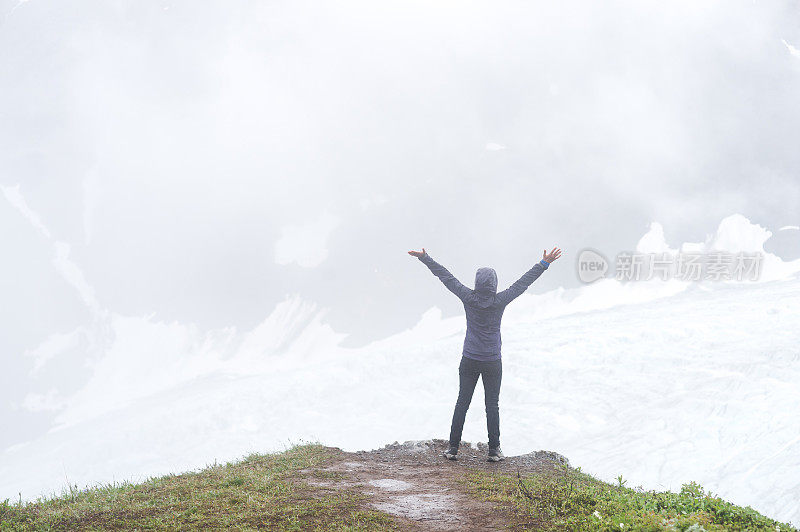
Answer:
(484, 305)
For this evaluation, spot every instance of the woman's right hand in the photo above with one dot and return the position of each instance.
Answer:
(417, 253)
(550, 257)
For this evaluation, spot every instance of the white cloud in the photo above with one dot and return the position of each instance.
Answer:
(493, 146)
(18, 4)
(91, 199)
(14, 197)
(373, 200)
(54, 345)
(306, 243)
(38, 402)
(65, 266)
(653, 241)
(74, 276)
(792, 50)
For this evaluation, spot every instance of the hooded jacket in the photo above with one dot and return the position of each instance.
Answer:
(484, 306)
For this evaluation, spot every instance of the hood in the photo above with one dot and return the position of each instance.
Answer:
(486, 281)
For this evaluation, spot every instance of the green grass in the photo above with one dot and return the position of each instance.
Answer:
(269, 492)
(568, 499)
(254, 493)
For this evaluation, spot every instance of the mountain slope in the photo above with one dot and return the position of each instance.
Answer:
(399, 487)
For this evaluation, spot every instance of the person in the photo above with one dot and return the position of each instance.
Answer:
(484, 307)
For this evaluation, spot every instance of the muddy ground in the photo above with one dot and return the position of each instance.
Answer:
(415, 483)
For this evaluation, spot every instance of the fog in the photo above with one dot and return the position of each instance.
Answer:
(197, 163)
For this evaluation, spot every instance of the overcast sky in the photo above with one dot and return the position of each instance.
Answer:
(198, 161)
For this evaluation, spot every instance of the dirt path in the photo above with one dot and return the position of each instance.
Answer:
(415, 483)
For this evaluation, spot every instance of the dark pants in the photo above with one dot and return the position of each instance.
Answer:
(491, 374)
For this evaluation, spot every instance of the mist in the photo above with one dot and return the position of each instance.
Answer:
(196, 164)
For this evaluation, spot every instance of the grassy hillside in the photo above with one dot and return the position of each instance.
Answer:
(573, 500)
(253, 494)
(276, 492)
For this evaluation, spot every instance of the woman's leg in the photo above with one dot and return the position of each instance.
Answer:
(492, 375)
(468, 372)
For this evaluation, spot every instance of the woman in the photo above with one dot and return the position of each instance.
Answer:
(481, 354)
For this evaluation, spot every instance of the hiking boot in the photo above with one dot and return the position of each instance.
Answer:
(495, 455)
(451, 452)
